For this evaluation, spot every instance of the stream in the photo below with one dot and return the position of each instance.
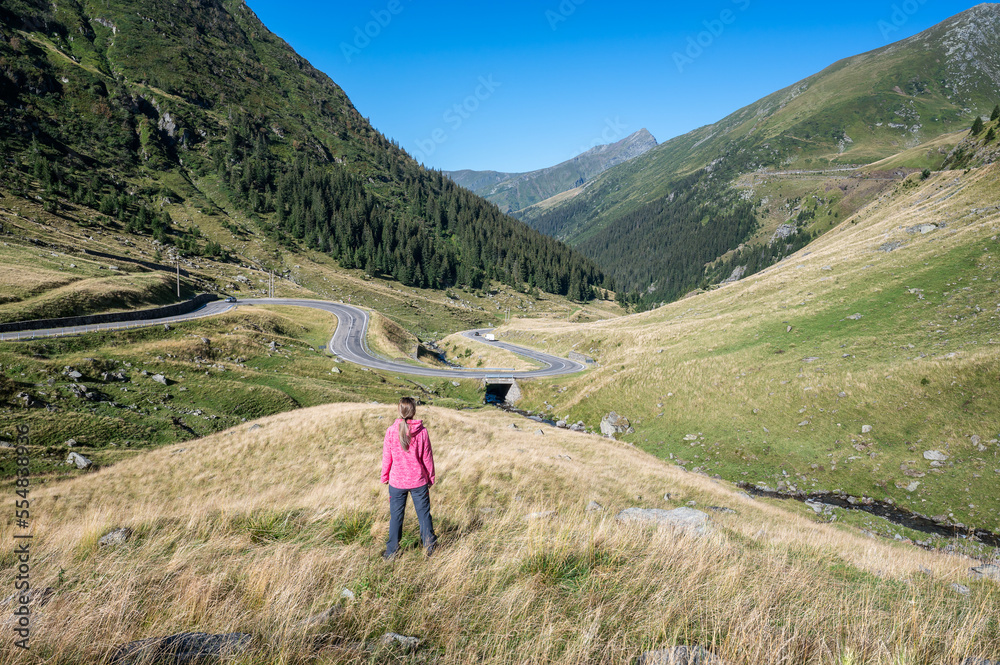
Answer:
(888, 511)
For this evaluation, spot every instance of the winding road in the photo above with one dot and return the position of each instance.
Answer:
(348, 341)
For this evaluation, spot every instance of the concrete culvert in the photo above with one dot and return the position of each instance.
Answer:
(501, 391)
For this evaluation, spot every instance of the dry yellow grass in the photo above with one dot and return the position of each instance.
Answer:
(256, 530)
(390, 339)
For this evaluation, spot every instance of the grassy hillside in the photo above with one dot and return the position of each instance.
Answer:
(769, 584)
(889, 321)
(856, 112)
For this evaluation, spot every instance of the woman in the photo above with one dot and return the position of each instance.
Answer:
(408, 468)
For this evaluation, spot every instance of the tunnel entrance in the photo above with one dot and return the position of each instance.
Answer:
(501, 391)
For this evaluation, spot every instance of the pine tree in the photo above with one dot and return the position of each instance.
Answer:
(977, 126)
(996, 113)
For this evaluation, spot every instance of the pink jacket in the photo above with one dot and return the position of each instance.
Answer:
(412, 468)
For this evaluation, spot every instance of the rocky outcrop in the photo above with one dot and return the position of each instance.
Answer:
(613, 424)
(685, 519)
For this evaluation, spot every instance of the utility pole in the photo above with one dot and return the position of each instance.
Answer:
(178, 257)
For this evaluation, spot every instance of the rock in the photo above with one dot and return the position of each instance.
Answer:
(397, 640)
(74, 375)
(990, 570)
(346, 594)
(784, 231)
(679, 655)
(935, 455)
(855, 317)
(690, 437)
(206, 341)
(971, 660)
(922, 228)
(159, 378)
(912, 487)
(543, 515)
(688, 519)
(166, 326)
(561, 424)
(890, 246)
(723, 510)
(182, 648)
(456, 384)
(70, 443)
(961, 588)
(866, 429)
(803, 423)
(594, 507)
(975, 440)
(736, 275)
(577, 427)
(613, 424)
(335, 370)
(79, 460)
(273, 346)
(116, 537)
(539, 432)
(513, 426)
(254, 427)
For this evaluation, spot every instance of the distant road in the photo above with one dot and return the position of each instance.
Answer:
(348, 341)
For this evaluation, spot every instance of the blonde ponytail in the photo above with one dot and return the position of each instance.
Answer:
(407, 409)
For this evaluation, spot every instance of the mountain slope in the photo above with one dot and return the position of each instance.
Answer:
(834, 370)
(515, 191)
(859, 110)
(135, 107)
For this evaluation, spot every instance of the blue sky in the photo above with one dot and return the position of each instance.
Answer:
(519, 85)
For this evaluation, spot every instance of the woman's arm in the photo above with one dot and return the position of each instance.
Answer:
(428, 457)
(386, 459)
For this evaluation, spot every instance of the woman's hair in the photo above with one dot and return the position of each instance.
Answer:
(407, 409)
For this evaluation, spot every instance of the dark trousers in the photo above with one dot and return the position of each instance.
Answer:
(397, 509)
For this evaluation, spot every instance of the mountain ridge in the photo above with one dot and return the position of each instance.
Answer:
(516, 191)
(857, 111)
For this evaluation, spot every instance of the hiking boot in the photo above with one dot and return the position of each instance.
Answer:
(431, 548)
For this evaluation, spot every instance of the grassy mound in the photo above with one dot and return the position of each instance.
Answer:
(256, 529)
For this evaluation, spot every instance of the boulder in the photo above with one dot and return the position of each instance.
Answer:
(961, 589)
(116, 537)
(855, 317)
(679, 655)
(182, 648)
(613, 424)
(594, 507)
(935, 455)
(990, 570)
(79, 460)
(73, 374)
(686, 519)
(866, 429)
(159, 378)
(70, 443)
